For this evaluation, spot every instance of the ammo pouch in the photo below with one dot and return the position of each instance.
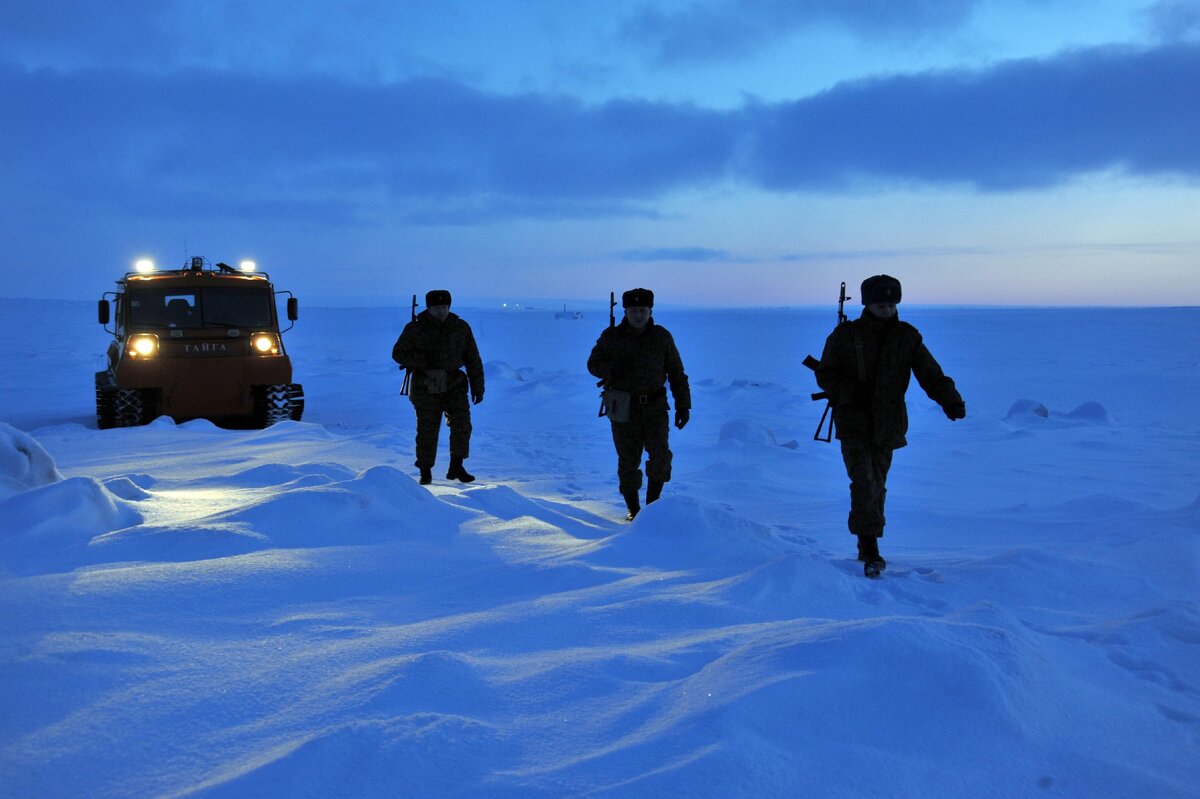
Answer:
(615, 405)
(435, 381)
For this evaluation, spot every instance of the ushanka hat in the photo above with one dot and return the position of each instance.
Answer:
(883, 289)
(637, 298)
(437, 297)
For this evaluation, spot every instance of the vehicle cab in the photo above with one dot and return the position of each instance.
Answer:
(202, 341)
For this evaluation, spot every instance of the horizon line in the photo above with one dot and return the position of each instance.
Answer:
(474, 303)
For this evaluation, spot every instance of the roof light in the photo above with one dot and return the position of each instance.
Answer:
(144, 265)
(247, 266)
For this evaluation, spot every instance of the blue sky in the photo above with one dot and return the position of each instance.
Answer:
(721, 152)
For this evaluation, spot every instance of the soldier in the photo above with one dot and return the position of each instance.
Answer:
(634, 360)
(435, 347)
(865, 370)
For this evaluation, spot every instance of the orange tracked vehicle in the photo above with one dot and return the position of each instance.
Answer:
(198, 342)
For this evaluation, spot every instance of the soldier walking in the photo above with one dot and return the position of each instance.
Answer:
(865, 370)
(635, 360)
(434, 348)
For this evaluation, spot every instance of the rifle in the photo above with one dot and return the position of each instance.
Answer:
(408, 372)
(612, 322)
(813, 363)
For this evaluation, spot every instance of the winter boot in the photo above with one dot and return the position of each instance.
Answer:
(426, 476)
(631, 502)
(868, 553)
(653, 490)
(457, 472)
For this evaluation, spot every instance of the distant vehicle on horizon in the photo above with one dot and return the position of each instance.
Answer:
(201, 342)
(565, 314)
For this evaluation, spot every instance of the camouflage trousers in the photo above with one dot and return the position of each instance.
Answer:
(867, 466)
(430, 408)
(645, 432)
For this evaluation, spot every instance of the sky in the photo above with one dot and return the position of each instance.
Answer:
(719, 152)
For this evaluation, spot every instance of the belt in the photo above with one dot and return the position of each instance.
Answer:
(646, 399)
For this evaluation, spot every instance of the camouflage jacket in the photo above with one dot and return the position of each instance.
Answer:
(450, 345)
(869, 406)
(641, 363)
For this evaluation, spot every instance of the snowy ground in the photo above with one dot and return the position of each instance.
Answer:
(190, 611)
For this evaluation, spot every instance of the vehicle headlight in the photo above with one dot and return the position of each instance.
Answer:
(144, 265)
(265, 343)
(248, 266)
(143, 345)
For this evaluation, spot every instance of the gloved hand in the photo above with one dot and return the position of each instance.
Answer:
(956, 411)
(476, 397)
(682, 415)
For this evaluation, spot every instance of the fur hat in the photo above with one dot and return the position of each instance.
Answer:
(637, 298)
(880, 288)
(437, 297)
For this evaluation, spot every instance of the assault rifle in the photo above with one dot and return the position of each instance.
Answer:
(813, 363)
(612, 322)
(408, 372)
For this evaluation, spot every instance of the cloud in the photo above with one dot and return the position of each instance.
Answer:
(685, 254)
(1139, 248)
(70, 30)
(1174, 20)
(488, 210)
(428, 151)
(725, 29)
(1020, 125)
(280, 36)
(116, 137)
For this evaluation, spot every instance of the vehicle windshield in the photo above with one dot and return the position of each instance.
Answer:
(204, 307)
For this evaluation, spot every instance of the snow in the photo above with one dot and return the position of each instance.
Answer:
(191, 611)
(24, 463)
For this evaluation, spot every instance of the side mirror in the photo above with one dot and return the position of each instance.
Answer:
(102, 312)
(293, 309)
